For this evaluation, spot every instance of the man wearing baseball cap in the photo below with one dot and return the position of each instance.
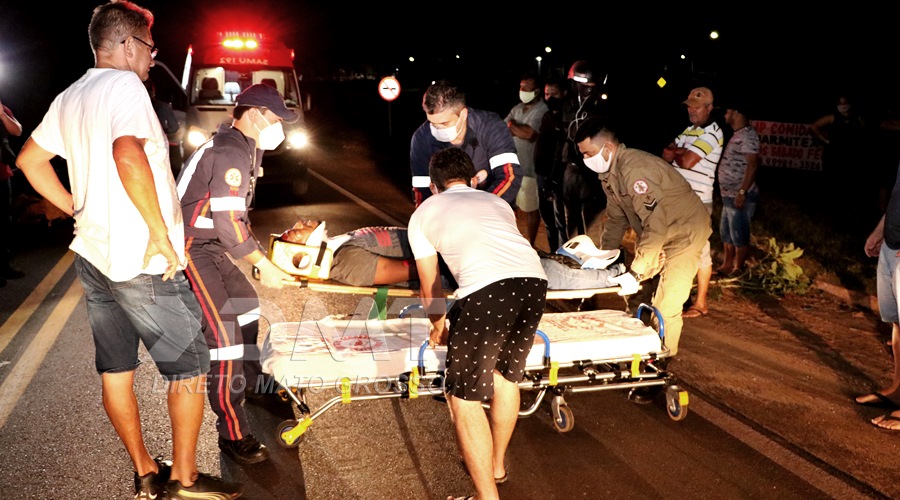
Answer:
(696, 152)
(216, 188)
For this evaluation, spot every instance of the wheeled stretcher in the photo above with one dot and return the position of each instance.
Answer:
(363, 360)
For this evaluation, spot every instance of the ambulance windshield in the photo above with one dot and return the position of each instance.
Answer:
(219, 85)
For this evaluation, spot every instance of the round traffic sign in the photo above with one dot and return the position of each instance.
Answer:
(389, 88)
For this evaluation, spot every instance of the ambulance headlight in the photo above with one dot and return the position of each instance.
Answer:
(197, 136)
(298, 139)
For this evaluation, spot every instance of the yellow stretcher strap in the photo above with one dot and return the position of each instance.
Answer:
(635, 365)
(345, 390)
(414, 383)
(554, 371)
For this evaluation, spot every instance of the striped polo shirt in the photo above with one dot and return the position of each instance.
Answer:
(707, 142)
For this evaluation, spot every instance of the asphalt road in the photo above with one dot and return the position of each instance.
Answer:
(55, 441)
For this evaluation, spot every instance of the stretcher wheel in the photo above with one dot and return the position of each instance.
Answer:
(284, 428)
(676, 403)
(563, 419)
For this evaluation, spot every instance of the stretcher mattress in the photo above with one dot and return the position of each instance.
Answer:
(302, 354)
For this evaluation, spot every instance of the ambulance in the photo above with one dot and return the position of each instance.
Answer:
(217, 70)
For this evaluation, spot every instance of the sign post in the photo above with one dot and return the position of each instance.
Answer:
(389, 89)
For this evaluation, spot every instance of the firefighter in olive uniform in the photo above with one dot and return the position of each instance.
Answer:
(672, 225)
(216, 189)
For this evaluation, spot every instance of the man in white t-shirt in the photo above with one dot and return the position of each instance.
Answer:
(501, 293)
(129, 244)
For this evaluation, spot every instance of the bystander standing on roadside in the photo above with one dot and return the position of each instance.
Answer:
(524, 121)
(10, 126)
(884, 243)
(129, 246)
(695, 152)
(738, 189)
(840, 130)
(847, 169)
(582, 193)
(551, 153)
(887, 153)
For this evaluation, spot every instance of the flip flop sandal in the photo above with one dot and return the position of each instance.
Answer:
(881, 401)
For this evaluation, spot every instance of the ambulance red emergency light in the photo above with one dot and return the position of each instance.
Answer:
(216, 71)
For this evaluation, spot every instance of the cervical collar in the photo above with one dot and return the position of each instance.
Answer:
(318, 236)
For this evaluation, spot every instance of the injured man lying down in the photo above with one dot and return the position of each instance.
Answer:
(381, 255)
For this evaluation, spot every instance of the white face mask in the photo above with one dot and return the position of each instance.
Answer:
(597, 163)
(527, 97)
(271, 136)
(447, 134)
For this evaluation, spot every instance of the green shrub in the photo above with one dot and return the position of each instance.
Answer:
(776, 273)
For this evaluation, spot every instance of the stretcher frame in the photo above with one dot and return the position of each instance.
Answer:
(638, 371)
(380, 293)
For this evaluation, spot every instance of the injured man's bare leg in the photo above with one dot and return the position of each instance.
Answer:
(388, 271)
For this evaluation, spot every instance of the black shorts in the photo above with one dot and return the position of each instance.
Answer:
(492, 329)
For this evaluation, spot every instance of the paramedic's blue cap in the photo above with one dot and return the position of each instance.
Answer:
(264, 96)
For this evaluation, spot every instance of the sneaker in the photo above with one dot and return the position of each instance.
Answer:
(205, 487)
(152, 485)
(247, 450)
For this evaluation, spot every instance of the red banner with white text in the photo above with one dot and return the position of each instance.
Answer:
(788, 145)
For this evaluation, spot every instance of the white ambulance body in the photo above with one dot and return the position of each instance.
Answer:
(217, 71)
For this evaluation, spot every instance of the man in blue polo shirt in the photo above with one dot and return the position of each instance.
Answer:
(483, 135)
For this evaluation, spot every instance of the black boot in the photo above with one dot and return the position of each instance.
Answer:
(246, 451)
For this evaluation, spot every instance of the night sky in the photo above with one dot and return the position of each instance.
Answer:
(788, 61)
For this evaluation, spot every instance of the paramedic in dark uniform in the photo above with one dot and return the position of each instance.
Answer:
(216, 188)
(483, 135)
(645, 193)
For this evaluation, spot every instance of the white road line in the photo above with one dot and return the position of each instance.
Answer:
(14, 323)
(387, 218)
(27, 365)
(832, 486)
